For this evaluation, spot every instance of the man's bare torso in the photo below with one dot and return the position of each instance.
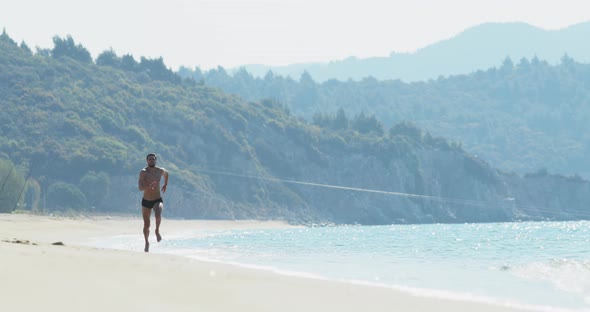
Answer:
(149, 175)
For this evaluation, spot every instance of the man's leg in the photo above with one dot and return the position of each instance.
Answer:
(158, 212)
(146, 213)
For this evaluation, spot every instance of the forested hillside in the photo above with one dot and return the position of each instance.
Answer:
(520, 117)
(77, 131)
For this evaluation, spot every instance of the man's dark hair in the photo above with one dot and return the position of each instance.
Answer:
(151, 154)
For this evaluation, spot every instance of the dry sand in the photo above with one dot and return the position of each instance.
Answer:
(39, 276)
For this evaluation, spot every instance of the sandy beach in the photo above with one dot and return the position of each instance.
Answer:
(36, 275)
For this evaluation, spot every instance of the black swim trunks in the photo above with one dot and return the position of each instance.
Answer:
(150, 203)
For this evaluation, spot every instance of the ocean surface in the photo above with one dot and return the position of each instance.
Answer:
(540, 265)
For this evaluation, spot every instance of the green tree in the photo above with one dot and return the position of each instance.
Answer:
(341, 121)
(365, 125)
(108, 58)
(32, 195)
(67, 47)
(307, 94)
(321, 120)
(406, 129)
(5, 38)
(96, 187)
(128, 63)
(64, 196)
(11, 184)
(26, 48)
(157, 70)
(507, 66)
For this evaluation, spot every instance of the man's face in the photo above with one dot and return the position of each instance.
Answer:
(151, 161)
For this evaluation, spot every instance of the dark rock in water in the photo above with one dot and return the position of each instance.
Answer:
(58, 244)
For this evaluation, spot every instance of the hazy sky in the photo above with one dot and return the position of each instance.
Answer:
(207, 33)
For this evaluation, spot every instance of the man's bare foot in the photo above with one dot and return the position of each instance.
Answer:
(147, 247)
(158, 236)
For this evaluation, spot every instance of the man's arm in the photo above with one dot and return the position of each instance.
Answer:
(142, 183)
(165, 181)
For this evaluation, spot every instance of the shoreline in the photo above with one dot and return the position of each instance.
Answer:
(75, 276)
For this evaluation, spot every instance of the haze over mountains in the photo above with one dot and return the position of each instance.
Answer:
(522, 106)
(479, 47)
(74, 132)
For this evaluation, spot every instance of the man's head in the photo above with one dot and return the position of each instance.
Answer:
(151, 160)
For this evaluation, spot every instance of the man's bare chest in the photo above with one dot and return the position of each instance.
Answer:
(153, 175)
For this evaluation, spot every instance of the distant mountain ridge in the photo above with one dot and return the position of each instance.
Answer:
(476, 48)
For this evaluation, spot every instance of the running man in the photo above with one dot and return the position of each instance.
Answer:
(149, 183)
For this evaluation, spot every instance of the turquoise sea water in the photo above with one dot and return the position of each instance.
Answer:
(542, 265)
